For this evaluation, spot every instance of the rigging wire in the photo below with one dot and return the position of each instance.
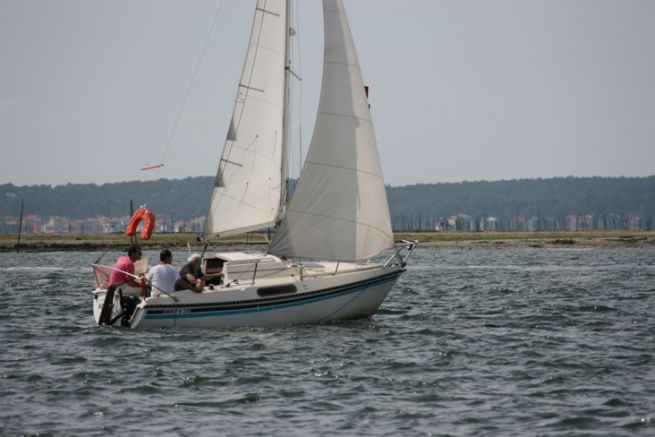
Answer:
(188, 91)
(290, 141)
(299, 90)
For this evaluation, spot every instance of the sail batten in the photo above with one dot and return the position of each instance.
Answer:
(345, 168)
(339, 210)
(331, 114)
(249, 183)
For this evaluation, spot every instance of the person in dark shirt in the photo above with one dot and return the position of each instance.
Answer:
(192, 274)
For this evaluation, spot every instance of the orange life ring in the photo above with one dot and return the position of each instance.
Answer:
(148, 218)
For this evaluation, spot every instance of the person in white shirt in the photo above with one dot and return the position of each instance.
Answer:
(164, 277)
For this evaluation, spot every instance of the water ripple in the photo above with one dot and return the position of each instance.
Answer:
(484, 342)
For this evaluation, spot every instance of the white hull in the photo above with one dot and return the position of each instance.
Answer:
(324, 293)
(339, 210)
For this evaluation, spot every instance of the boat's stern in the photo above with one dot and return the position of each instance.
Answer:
(116, 303)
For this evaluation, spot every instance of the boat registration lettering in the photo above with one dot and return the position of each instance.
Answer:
(175, 311)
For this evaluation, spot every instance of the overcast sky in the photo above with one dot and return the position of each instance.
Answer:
(460, 90)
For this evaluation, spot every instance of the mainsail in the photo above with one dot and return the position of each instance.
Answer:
(339, 210)
(250, 180)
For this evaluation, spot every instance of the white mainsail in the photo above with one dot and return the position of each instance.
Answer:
(339, 210)
(250, 182)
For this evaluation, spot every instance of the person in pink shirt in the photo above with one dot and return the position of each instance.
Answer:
(126, 264)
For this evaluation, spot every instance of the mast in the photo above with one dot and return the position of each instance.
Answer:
(286, 114)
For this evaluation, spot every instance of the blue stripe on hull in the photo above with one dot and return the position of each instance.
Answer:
(271, 307)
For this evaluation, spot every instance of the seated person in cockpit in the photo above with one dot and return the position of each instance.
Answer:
(192, 273)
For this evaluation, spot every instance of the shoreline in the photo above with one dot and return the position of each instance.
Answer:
(427, 240)
(537, 240)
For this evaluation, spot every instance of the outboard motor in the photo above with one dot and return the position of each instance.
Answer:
(128, 305)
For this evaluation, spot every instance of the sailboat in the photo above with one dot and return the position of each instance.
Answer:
(318, 267)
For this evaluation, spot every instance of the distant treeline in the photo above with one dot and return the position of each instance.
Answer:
(179, 199)
(527, 204)
(532, 204)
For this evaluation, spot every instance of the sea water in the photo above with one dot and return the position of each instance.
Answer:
(469, 342)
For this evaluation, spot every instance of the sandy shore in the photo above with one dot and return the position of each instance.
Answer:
(574, 242)
(102, 242)
(513, 240)
(429, 240)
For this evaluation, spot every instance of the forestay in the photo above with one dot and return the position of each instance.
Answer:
(339, 210)
(249, 183)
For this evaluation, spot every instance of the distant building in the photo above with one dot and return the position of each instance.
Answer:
(491, 224)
